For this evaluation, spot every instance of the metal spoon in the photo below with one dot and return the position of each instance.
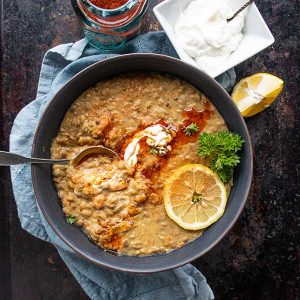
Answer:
(9, 159)
(238, 11)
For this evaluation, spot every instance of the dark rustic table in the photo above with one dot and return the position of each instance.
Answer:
(257, 259)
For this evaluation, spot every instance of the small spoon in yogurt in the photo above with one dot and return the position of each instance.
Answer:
(9, 159)
(239, 10)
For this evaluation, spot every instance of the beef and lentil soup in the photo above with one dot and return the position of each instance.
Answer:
(119, 203)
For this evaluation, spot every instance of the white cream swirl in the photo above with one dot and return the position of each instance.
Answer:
(157, 136)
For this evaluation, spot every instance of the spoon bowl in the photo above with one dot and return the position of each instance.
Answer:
(9, 159)
(94, 150)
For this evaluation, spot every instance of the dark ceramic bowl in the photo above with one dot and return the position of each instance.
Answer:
(48, 127)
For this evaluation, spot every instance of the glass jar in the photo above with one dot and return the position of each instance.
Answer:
(108, 29)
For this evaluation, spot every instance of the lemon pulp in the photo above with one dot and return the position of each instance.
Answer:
(255, 93)
(194, 197)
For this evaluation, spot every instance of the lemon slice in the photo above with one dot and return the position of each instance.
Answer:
(255, 93)
(194, 197)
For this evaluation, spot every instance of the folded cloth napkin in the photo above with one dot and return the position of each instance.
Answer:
(59, 65)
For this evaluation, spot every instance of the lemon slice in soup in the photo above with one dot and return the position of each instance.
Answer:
(194, 197)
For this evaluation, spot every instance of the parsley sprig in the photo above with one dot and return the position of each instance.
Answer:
(191, 129)
(222, 149)
(158, 150)
(153, 151)
(71, 219)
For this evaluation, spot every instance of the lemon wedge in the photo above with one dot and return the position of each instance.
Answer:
(255, 93)
(194, 197)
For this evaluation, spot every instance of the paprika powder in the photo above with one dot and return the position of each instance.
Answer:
(109, 4)
(108, 24)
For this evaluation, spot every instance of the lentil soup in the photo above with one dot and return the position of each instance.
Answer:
(142, 116)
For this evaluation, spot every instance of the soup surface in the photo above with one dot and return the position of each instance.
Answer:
(142, 116)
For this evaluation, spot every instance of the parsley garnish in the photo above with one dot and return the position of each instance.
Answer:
(221, 148)
(157, 150)
(153, 151)
(71, 219)
(191, 129)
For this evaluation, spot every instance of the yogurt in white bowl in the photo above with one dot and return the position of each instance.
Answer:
(206, 40)
(204, 33)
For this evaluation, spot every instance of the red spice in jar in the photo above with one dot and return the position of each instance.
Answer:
(109, 4)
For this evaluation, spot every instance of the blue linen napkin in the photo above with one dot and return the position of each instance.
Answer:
(59, 65)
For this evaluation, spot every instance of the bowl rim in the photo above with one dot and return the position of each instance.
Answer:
(133, 269)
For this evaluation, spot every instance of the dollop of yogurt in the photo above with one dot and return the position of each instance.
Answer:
(204, 33)
(157, 136)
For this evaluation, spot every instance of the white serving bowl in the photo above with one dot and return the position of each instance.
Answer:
(257, 35)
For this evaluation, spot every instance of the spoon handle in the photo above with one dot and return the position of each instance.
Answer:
(242, 8)
(9, 159)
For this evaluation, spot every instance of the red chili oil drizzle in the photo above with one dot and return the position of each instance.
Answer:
(190, 116)
(193, 116)
(116, 243)
(126, 139)
(166, 125)
(156, 167)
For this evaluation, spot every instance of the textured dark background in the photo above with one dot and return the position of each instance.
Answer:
(258, 258)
